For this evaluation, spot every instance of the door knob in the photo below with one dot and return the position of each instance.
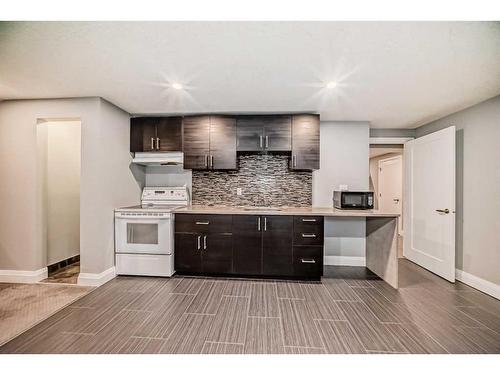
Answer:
(445, 211)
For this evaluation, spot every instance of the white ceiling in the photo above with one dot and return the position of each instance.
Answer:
(394, 74)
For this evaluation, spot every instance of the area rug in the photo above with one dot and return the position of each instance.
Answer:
(24, 305)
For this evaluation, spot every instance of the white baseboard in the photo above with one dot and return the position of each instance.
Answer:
(26, 277)
(338, 260)
(96, 279)
(484, 286)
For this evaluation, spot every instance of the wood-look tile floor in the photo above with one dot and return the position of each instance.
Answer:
(349, 311)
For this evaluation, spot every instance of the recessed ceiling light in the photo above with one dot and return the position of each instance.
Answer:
(331, 85)
(177, 86)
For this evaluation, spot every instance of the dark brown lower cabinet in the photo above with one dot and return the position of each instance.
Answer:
(251, 245)
(277, 246)
(217, 253)
(187, 255)
(247, 244)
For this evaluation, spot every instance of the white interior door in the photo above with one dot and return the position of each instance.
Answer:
(429, 238)
(390, 186)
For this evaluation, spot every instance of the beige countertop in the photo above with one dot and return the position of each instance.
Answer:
(311, 211)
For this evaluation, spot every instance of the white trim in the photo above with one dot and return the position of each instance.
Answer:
(484, 286)
(27, 277)
(96, 279)
(389, 140)
(339, 260)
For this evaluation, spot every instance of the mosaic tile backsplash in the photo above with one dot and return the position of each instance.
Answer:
(265, 180)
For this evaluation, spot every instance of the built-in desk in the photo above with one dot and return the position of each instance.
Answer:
(381, 231)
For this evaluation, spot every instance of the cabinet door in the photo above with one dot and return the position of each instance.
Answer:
(222, 142)
(277, 133)
(247, 244)
(277, 244)
(250, 133)
(187, 255)
(196, 136)
(143, 134)
(169, 134)
(305, 142)
(217, 253)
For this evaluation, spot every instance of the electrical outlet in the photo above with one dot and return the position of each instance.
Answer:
(238, 191)
(343, 187)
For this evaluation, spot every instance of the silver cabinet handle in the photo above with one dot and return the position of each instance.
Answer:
(157, 143)
(211, 161)
(202, 222)
(311, 220)
(307, 261)
(199, 242)
(258, 223)
(294, 161)
(305, 235)
(152, 143)
(260, 141)
(204, 242)
(445, 211)
(267, 141)
(206, 161)
(265, 224)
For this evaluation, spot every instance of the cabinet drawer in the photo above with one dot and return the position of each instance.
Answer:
(308, 230)
(188, 223)
(308, 261)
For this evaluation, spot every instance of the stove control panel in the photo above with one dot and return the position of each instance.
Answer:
(164, 194)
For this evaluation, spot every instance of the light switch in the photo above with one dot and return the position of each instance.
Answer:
(238, 191)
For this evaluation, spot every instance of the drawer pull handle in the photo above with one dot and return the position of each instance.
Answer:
(308, 261)
(309, 220)
(202, 222)
(305, 235)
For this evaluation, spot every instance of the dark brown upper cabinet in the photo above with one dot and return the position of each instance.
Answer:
(209, 142)
(196, 142)
(150, 134)
(305, 142)
(264, 133)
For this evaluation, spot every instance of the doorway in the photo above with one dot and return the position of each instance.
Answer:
(386, 182)
(59, 155)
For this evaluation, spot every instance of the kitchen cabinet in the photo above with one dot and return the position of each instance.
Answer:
(305, 142)
(196, 141)
(263, 245)
(203, 244)
(155, 134)
(277, 250)
(264, 133)
(222, 142)
(308, 239)
(247, 241)
(249, 245)
(209, 142)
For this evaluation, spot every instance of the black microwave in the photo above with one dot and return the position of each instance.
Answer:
(353, 200)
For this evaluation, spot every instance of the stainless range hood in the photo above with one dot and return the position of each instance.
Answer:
(159, 158)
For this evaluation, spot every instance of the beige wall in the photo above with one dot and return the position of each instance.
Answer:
(478, 187)
(106, 180)
(60, 159)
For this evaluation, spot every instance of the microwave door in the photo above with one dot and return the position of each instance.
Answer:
(352, 200)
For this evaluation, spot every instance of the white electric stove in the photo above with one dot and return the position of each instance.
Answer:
(144, 235)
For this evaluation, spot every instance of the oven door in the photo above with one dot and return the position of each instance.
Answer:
(143, 235)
